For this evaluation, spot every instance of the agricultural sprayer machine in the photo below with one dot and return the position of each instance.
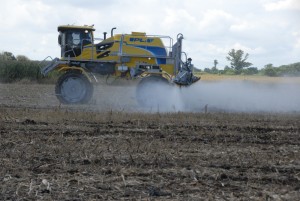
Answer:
(153, 59)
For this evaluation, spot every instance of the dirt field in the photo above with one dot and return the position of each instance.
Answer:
(103, 151)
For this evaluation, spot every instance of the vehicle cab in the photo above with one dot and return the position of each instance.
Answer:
(73, 39)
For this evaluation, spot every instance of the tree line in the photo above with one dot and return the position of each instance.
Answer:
(240, 66)
(15, 68)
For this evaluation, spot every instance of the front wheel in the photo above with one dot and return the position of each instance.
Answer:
(73, 88)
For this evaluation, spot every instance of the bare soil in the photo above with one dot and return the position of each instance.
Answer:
(100, 151)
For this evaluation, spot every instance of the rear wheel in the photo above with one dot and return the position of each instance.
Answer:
(73, 88)
(152, 91)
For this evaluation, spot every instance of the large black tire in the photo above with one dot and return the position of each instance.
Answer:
(74, 88)
(152, 92)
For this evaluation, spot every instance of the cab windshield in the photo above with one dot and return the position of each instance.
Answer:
(78, 38)
(72, 42)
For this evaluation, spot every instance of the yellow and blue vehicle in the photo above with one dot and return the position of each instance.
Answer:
(130, 56)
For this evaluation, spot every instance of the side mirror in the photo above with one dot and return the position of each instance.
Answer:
(59, 39)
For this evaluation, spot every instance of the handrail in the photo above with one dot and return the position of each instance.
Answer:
(168, 48)
(39, 64)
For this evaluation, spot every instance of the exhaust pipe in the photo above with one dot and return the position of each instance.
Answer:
(104, 35)
(112, 31)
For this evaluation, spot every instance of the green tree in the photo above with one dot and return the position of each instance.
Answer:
(229, 71)
(214, 70)
(238, 60)
(22, 58)
(207, 70)
(7, 56)
(215, 63)
(269, 70)
(250, 71)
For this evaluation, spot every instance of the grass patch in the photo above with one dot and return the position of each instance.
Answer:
(255, 78)
(16, 71)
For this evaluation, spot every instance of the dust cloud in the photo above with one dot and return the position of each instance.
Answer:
(242, 96)
(227, 96)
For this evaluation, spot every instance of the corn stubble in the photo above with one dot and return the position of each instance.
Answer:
(62, 154)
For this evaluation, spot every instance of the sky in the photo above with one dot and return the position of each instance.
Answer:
(268, 30)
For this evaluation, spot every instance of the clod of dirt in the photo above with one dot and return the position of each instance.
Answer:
(72, 171)
(86, 162)
(29, 121)
(156, 192)
(45, 191)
